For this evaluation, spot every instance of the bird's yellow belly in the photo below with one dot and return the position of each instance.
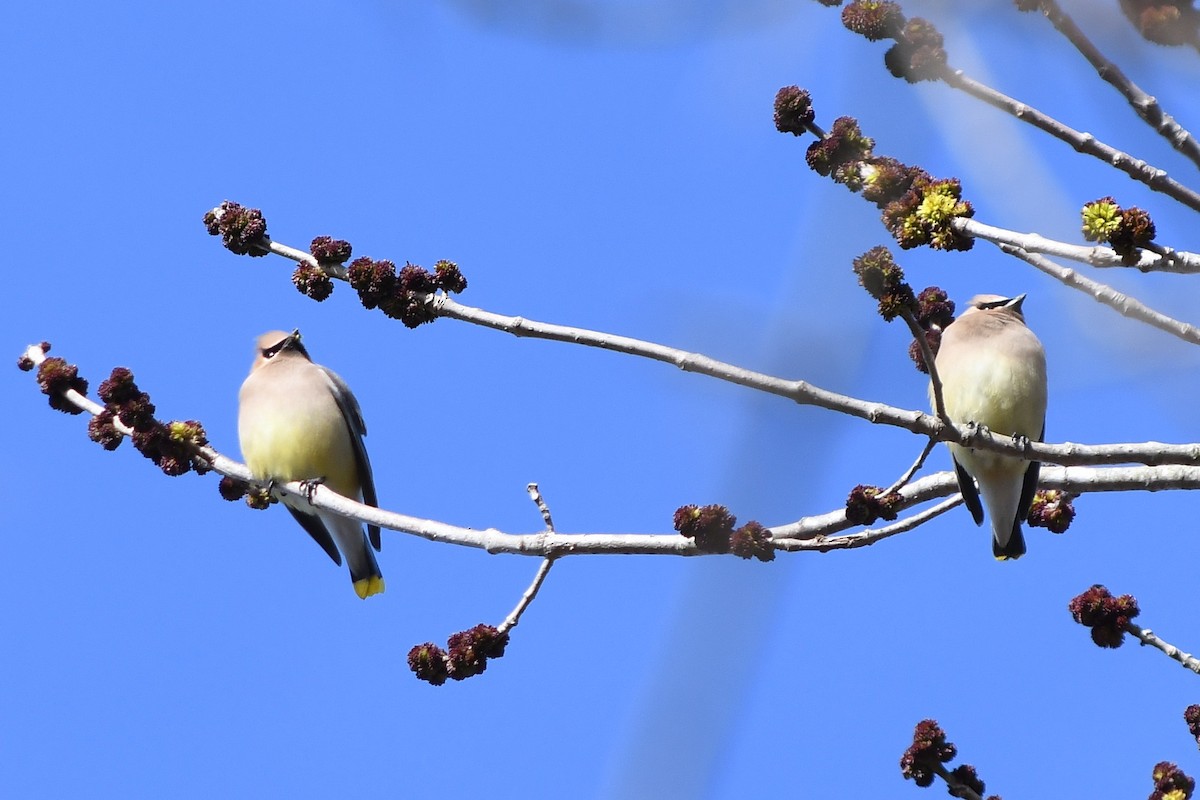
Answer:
(290, 449)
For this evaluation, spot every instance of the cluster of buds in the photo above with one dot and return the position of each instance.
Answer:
(56, 377)
(257, 496)
(883, 279)
(918, 53)
(935, 310)
(928, 750)
(868, 503)
(1191, 715)
(468, 654)
(924, 757)
(1125, 230)
(313, 281)
(242, 230)
(924, 215)
(1053, 509)
(1107, 616)
(403, 295)
(917, 209)
(1169, 22)
(714, 530)
(1171, 783)
(172, 446)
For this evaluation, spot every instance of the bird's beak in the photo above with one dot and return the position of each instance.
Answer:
(1014, 304)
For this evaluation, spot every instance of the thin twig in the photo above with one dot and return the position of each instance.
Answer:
(851, 541)
(536, 496)
(1123, 304)
(1147, 637)
(920, 462)
(514, 618)
(935, 382)
(1146, 106)
(1160, 259)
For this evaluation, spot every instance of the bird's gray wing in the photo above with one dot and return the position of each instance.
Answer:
(317, 530)
(358, 429)
(966, 485)
(1030, 485)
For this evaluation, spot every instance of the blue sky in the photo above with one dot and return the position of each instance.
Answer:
(609, 168)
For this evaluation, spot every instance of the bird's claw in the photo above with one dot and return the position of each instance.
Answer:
(309, 485)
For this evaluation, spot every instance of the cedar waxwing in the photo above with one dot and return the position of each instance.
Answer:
(993, 373)
(298, 421)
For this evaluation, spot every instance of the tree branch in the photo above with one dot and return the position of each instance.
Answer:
(1123, 304)
(1147, 637)
(1169, 260)
(1146, 106)
(1157, 179)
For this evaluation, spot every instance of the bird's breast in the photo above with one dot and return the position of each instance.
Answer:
(294, 435)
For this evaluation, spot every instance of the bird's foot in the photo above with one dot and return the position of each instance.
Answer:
(309, 485)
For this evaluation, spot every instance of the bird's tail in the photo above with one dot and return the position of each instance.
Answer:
(364, 572)
(1014, 548)
(352, 541)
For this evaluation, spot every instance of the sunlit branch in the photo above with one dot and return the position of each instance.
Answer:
(1139, 170)
(1122, 303)
(1147, 637)
(1169, 260)
(1146, 106)
(551, 544)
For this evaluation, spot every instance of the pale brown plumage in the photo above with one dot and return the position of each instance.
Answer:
(299, 421)
(993, 374)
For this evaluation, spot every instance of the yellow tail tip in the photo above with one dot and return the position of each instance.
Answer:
(365, 587)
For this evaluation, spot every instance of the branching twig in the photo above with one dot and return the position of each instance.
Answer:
(1169, 260)
(1121, 303)
(514, 618)
(916, 465)
(935, 382)
(536, 496)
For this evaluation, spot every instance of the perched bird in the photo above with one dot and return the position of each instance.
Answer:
(993, 374)
(298, 421)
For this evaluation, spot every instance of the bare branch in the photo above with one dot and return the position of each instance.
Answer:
(916, 465)
(1168, 260)
(536, 496)
(514, 618)
(914, 327)
(1122, 303)
(1147, 637)
(1157, 179)
(1146, 106)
